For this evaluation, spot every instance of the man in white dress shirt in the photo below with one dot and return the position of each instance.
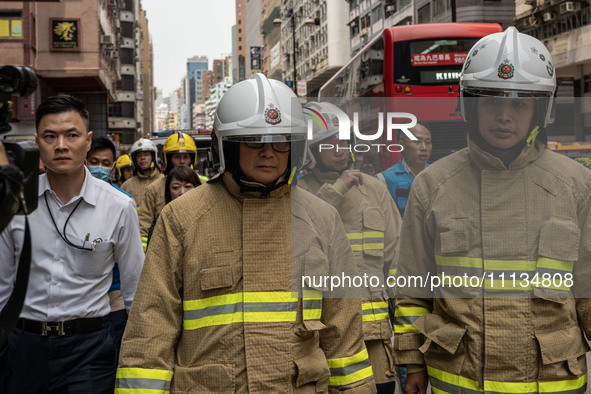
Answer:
(82, 227)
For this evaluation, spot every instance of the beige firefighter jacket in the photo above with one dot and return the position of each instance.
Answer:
(216, 310)
(372, 223)
(151, 205)
(137, 184)
(470, 215)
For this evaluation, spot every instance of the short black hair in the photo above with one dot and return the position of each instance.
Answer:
(99, 143)
(60, 104)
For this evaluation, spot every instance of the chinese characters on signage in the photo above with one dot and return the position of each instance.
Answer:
(65, 34)
(438, 59)
(255, 60)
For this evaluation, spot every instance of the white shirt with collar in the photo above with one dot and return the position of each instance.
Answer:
(65, 282)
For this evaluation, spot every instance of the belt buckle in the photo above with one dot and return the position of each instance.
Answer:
(59, 328)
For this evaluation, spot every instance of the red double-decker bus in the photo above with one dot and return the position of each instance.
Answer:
(419, 67)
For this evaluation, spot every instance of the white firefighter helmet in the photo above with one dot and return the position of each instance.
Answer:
(511, 64)
(143, 145)
(258, 110)
(326, 120)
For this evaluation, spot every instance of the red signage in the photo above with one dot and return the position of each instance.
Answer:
(439, 59)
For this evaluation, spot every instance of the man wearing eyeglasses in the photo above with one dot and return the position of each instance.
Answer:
(63, 341)
(221, 307)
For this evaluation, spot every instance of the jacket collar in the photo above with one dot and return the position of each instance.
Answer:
(87, 191)
(235, 189)
(486, 161)
(154, 173)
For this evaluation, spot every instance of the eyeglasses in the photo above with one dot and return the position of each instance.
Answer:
(279, 147)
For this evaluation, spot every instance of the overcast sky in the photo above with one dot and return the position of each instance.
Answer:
(181, 29)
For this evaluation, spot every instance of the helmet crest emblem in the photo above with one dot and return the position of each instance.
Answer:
(542, 57)
(550, 69)
(335, 120)
(272, 115)
(506, 70)
(182, 142)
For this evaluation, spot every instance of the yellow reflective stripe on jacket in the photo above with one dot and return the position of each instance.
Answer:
(368, 240)
(144, 242)
(142, 381)
(312, 300)
(347, 370)
(503, 274)
(250, 307)
(445, 382)
(555, 270)
(374, 311)
(404, 317)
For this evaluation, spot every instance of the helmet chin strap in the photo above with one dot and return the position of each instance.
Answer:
(481, 142)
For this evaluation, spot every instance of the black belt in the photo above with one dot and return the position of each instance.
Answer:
(67, 327)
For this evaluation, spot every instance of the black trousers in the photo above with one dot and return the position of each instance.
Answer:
(118, 321)
(82, 363)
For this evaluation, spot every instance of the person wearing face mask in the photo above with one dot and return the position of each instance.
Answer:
(512, 221)
(100, 160)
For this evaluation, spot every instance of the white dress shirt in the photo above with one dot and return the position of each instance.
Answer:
(65, 282)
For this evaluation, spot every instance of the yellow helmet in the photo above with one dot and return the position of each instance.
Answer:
(179, 143)
(122, 162)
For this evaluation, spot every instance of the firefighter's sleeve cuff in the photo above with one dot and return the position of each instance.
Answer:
(340, 187)
(412, 368)
(406, 349)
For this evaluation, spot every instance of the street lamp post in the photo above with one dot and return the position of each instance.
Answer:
(308, 22)
(293, 37)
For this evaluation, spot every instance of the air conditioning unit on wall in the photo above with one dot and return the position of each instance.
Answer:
(569, 6)
(106, 39)
(548, 16)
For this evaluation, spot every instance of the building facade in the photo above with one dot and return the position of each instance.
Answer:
(565, 28)
(126, 112)
(71, 47)
(239, 41)
(193, 86)
(314, 46)
(148, 90)
(271, 39)
(253, 37)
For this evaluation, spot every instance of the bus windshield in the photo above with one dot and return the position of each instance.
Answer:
(430, 62)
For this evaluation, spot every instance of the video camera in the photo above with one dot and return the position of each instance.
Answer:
(18, 181)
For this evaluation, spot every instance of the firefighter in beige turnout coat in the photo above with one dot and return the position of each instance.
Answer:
(146, 171)
(503, 208)
(219, 307)
(179, 150)
(372, 223)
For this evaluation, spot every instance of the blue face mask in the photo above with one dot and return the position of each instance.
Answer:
(100, 172)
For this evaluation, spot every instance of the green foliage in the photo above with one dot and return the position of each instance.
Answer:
(586, 161)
